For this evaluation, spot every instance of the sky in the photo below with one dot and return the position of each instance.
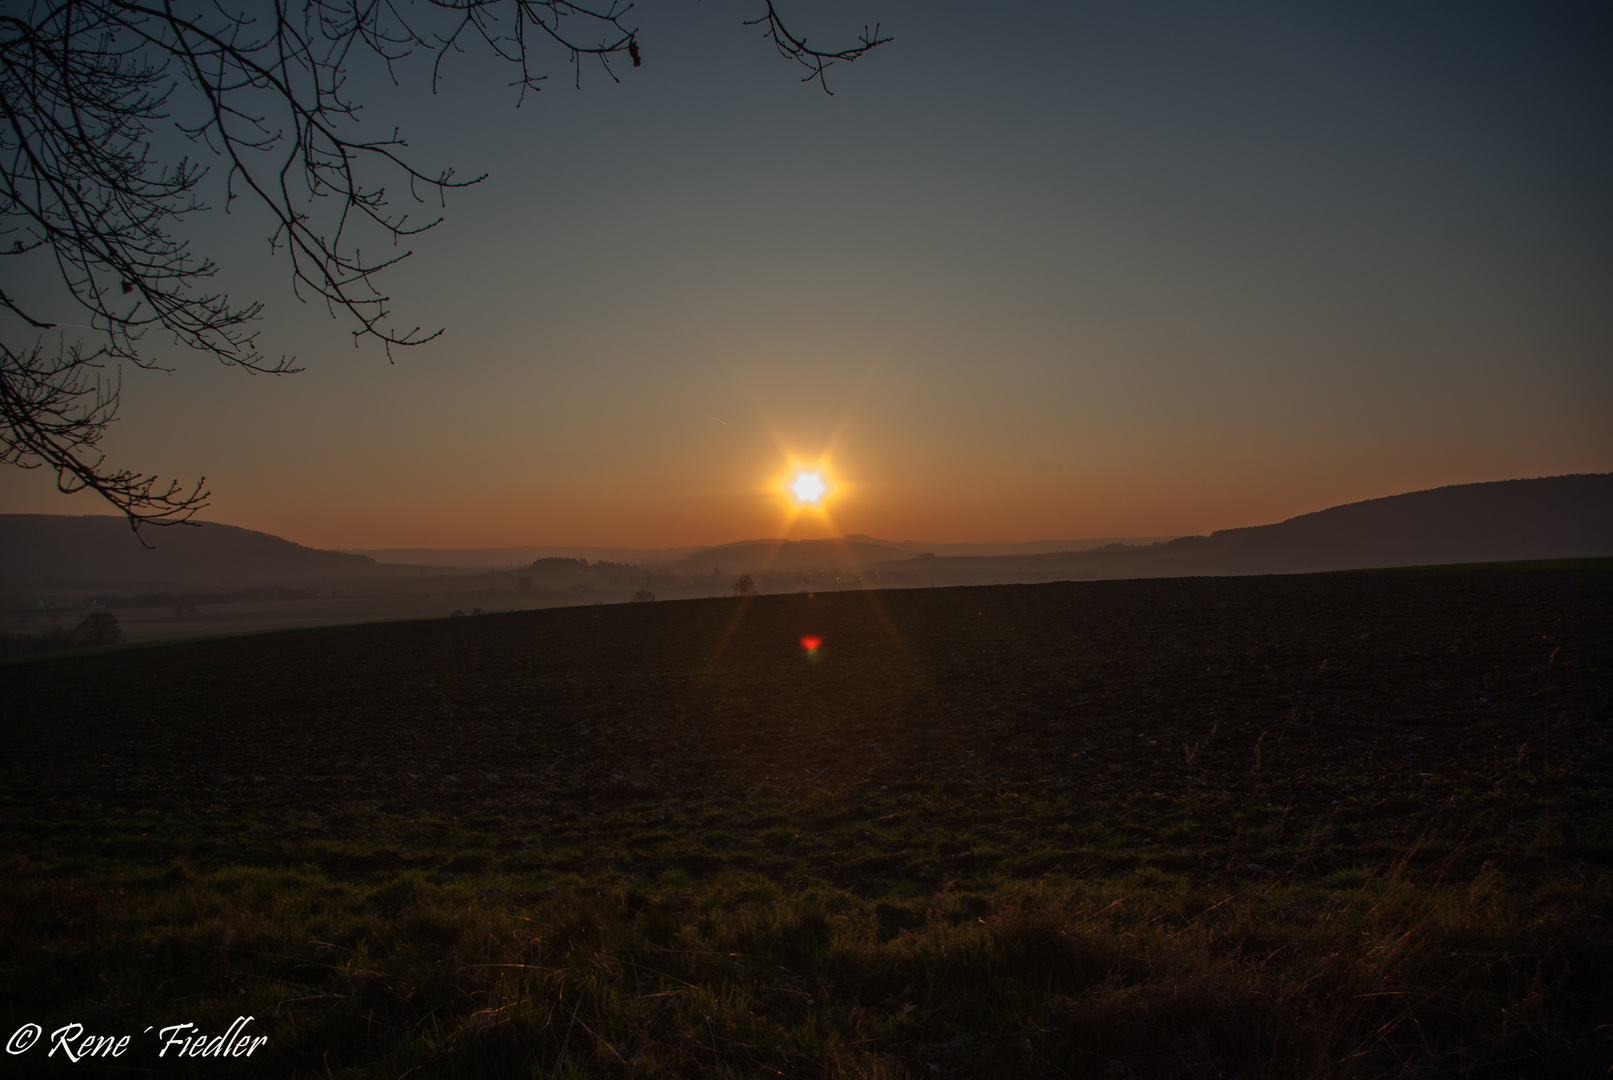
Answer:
(1034, 270)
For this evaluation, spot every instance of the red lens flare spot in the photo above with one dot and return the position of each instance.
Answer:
(810, 644)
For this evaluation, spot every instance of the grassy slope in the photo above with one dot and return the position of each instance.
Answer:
(1338, 824)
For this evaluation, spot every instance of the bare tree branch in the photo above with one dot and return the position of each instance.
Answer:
(261, 85)
(53, 413)
(816, 61)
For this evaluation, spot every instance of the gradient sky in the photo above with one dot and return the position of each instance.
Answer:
(1035, 270)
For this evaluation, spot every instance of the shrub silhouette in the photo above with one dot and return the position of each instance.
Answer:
(96, 628)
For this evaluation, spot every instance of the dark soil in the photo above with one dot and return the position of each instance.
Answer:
(1131, 803)
(1308, 722)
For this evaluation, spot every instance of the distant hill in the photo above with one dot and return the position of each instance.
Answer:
(1551, 518)
(509, 558)
(782, 556)
(50, 551)
(1555, 517)
(1012, 547)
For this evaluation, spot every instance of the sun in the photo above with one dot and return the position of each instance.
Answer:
(808, 488)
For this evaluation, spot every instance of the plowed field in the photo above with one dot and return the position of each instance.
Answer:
(944, 758)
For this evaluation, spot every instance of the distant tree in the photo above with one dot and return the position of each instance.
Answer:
(644, 594)
(98, 628)
(90, 187)
(744, 585)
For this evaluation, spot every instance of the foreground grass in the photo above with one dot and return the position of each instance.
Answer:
(1142, 975)
(1329, 826)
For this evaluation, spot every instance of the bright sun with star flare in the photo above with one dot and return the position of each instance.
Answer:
(808, 488)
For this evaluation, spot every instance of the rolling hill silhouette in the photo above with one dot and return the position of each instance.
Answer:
(1554, 517)
(57, 551)
(1551, 518)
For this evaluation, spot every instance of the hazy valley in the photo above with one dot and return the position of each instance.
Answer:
(218, 579)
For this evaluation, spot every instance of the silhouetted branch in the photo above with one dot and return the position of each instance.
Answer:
(84, 87)
(816, 61)
(53, 413)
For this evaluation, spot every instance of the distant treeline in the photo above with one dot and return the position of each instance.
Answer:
(97, 628)
(557, 563)
(569, 575)
(191, 599)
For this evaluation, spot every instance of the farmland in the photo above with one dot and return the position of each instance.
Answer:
(1348, 824)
